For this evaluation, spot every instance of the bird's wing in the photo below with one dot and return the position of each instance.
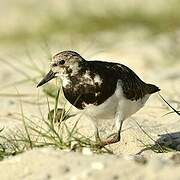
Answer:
(133, 87)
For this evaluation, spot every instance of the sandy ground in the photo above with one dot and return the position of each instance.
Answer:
(42, 164)
(48, 164)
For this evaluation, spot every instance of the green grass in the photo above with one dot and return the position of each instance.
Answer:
(52, 131)
(46, 133)
(160, 145)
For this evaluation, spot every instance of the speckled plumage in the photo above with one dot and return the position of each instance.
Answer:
(100, 87)
(80, 90)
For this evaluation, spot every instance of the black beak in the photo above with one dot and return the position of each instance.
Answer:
(50, 75)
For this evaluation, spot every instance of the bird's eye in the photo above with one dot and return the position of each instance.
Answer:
(61, 62)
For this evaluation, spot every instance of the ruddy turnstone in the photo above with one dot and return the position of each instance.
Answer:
(100, 89)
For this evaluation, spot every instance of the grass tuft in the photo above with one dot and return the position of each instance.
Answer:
(167, 142)
(47, 132)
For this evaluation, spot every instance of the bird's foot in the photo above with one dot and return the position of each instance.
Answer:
(113, 138)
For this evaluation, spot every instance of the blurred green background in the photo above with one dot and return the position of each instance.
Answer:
(22, 20)
(103, 23)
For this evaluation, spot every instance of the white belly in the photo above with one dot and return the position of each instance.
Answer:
(106, 110)
(116, 103)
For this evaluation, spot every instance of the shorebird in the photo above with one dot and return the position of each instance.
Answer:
(100, 89)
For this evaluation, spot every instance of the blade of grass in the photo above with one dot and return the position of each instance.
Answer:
(177, 112)
(24, 123)
(35, 66)
(16, 68)
(148, 135)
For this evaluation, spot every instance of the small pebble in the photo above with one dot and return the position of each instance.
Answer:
(87, 151)
(97, 165)
(140, 160)
(176, 158)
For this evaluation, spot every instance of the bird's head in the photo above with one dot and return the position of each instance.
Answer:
(63, 64)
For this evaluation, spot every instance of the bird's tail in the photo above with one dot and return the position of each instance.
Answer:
(152, 89)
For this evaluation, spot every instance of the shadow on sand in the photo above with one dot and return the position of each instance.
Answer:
(165, 143)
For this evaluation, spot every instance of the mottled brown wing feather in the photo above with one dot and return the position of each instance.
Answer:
(133, 87)
(80, 92)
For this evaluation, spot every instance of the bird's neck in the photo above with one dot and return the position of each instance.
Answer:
(74, 74)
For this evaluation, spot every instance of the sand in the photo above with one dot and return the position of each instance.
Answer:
(42, 164)
(149, 62)
(45, 164)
